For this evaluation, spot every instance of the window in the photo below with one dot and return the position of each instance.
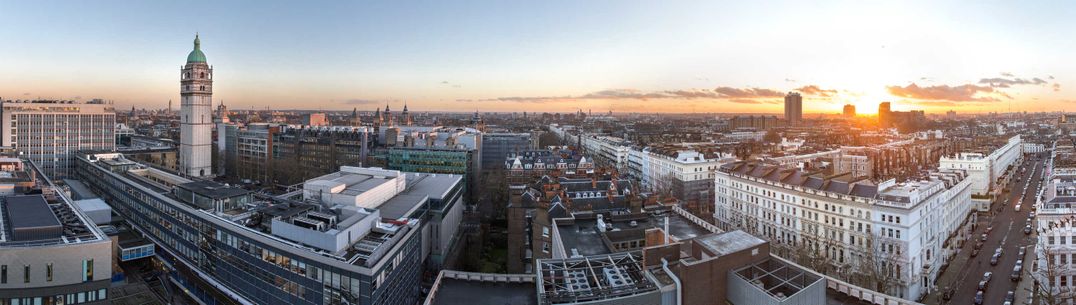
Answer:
(26, 273)
(545, 231)
(48, 272)
(87, 270)
(3, 274)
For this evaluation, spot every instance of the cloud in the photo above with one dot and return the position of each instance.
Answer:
(446, 83)
(790, 80)
(935, 103)
(357, 101)
(26, 93)
(745, 101)
(817, 91)
(1050, 76)
(1007, 74)
(729, 92)
(1057, 87)
(962, 93)
(998, 82)
(743, 95)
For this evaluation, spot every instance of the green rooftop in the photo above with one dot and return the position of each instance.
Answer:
(196, 55)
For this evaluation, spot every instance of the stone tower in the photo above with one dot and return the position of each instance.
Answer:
(195, 115)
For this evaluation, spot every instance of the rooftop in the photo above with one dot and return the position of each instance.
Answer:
(30, 218)
(452, 291)
(729, 242)
(583, 238)
(592, 278)
(213, 189)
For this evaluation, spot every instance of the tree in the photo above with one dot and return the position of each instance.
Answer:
(548, 139)
(1045, 270)
(772, 137)
(875, 266)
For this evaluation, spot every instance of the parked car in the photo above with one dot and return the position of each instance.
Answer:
(1027, 230)
(979, 298)
(1020, 253)
(999, 251)
(1010, 296)
(975, 252)
(1031, 215)
(978, 245)
(994, 259)
(983, 238)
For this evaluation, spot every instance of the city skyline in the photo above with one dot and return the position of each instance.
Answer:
(681, 58)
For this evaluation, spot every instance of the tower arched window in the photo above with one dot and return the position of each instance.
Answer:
(203, 74)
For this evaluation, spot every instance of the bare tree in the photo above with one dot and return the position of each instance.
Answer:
(875, 266)
(1045, 270)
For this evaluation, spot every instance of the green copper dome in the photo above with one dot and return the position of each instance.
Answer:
(196, 55)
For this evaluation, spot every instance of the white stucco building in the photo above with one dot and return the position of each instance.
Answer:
(906, 229)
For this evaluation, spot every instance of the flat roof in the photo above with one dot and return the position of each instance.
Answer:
(455, 291)
(213, 189)
(435, 185)
(585, 238)
(29, 211)
(402, 205)
(79, 190)
(729, 242)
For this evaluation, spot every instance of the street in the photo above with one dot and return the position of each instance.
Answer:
(1007, 232)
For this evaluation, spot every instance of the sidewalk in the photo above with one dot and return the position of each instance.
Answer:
(955, 273)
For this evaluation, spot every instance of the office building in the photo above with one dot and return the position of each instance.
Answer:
(352, 237)
(497, 146)
(793, 108)
(249, 152)
(851, 227)
(49, 133)
(52, 253)
(300, 152)
(850, 110)
(196, 116)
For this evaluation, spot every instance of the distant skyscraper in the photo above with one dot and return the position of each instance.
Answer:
(196, 117)
(793, 108)
(849, 110)
(884, 113)
(951, 115)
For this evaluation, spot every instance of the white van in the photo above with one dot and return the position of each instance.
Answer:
(1017, 208)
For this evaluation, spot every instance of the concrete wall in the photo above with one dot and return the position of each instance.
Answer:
(66, 263)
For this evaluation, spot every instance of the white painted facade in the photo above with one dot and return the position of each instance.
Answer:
(984, 170)
(912, 224)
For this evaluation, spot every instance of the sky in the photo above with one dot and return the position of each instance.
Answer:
(550, 56)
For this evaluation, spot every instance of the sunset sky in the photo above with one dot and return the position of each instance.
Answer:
(624, 56)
